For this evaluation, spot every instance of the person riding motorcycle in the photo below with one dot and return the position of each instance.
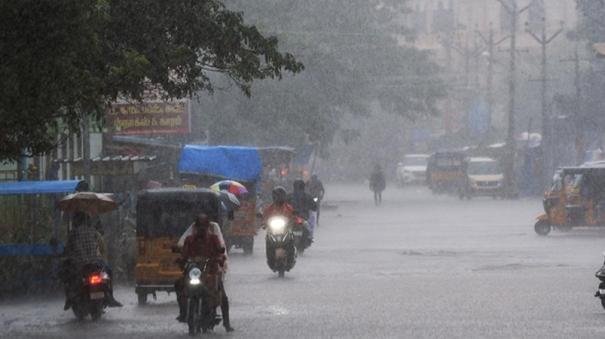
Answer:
(84, 245)
(303, 205)
(317, 191)
(279, 207)
(204, 243)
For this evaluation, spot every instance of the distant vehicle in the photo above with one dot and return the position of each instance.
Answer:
(483, 177)
(412, 170)
(445, 172)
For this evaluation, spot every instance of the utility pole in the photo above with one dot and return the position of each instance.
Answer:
(547, 145)
(509, 166)
(578, 120)
(491, 61)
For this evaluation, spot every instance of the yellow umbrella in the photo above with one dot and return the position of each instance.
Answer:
(88, 202)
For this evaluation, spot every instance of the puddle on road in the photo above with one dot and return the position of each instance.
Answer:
(508, 267)
(276, 310)
(434, 253)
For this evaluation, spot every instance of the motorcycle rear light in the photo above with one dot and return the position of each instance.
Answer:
(95, 279)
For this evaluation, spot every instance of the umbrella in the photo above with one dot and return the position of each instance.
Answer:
(229, 200)
(230, 186)
(89, 202)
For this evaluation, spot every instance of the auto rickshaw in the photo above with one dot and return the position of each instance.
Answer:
(576, 198)
(163, 215)
(445, 172)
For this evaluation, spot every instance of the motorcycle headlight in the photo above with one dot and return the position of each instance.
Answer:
(277, 225)
(194, 276)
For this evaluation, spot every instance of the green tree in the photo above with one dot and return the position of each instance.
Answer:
(62, 61)
(355, 53)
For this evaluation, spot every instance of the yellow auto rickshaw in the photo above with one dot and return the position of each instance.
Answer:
(163, 215)
(576, 198)
(445, 172)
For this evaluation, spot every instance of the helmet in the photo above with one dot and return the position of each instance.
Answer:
(279, 195)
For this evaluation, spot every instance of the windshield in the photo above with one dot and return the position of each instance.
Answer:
(415, 161)
(483, 168)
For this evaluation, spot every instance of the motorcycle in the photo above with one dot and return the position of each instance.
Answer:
(302, 235)
(281, 252)
(91, 292)
(203, 297)
(601, 291)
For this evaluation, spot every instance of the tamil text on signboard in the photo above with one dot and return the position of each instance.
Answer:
(150, 118)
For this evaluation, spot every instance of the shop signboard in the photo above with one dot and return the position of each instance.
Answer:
(149, 118)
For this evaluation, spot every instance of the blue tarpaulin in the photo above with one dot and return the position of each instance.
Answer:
(14, 250)
(39, 187)
(229, 162)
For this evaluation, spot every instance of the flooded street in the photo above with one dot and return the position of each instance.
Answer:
(418, 266)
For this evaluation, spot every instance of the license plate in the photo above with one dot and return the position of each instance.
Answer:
(297, 233)
(97, 295)
(280, 253)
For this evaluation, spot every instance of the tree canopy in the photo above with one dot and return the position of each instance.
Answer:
(355, 55)
(62, 61)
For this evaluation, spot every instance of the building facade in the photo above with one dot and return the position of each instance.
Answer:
(458, 31)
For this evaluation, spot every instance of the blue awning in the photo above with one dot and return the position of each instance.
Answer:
(15, 250)
(39, 187)
(229, 162)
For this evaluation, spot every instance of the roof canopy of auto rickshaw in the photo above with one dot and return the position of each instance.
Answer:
(593, 171)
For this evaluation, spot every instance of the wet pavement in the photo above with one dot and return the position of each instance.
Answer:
(419, 266)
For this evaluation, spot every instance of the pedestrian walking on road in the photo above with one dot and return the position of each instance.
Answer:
(377, 184)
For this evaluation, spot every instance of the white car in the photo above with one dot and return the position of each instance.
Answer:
(483, 177)
(412, 170)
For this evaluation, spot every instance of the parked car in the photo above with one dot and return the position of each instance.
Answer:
(412, 170)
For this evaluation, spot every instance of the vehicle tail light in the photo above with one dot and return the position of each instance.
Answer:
(95, 279)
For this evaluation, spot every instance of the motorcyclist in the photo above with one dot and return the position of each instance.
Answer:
(279, 207)
(203, 242)
(316, 190)
(85, 245)
(303, 205)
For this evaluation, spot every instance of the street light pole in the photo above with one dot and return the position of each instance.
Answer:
(491, 60)
(548, 147)
(509, 166)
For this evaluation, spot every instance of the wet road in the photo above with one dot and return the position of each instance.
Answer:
(416, 267)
